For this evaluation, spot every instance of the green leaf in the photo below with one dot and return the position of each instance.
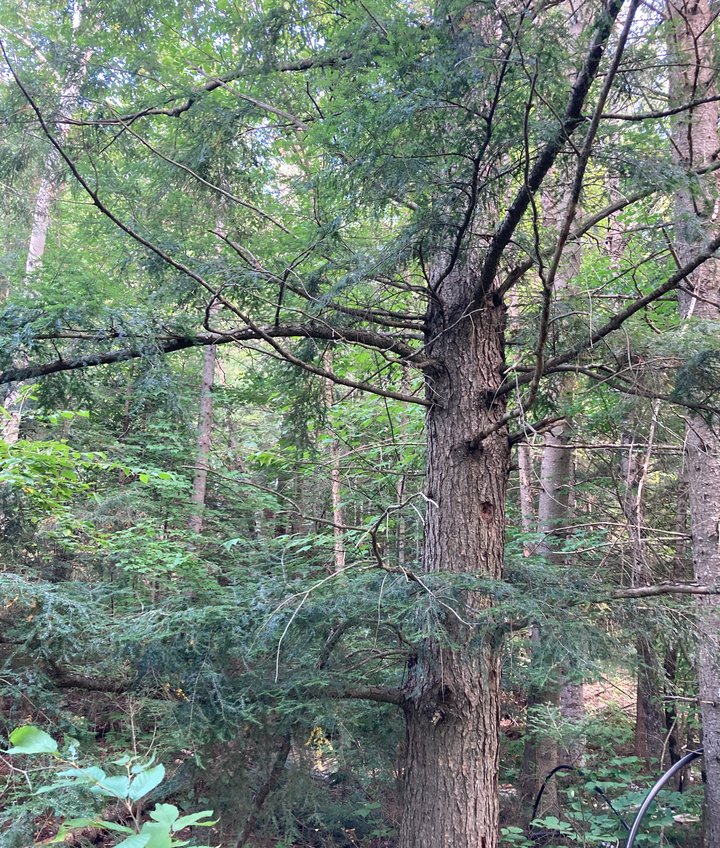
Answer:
(146, 781)
(67, 827)
(138, 768)
(114, 826)
(52, 787)
(159, 835)
(137, 840)
(117, 786)
(31, 740)
(91, 774)
(194, 819)
(165, 814)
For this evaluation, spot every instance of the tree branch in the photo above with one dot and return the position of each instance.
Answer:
(664, 589)
(379, 341)
(212, 85)
(572, 119)
(619, 318)
(378, 694)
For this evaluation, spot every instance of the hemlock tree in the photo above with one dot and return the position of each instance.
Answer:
(367, 149)
(696, 142)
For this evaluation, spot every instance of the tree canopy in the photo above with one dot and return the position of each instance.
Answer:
(361, 373)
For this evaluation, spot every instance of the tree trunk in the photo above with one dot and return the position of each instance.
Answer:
(335, 489)
(695, 139)
(50, 184)
(524, 451)
(540, 755)
(202, 454)
(453, 686)
(649, 715)
(703, 458)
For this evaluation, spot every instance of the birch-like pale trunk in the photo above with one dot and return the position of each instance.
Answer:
(528, 521)
(335, 477)
(48, 191)
(204, 441)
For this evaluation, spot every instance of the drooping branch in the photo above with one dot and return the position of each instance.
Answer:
(223, 192)
(162, 346)
(587, 224)
(211, 85)
(65, 679)
(663, 113)
(256, 331)
(339, 692)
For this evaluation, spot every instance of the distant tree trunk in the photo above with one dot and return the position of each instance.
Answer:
(335, 482)
(48, 190)
(696, 143)
(524, 451)
(540, 755)
(525, 476)
(649, 716)
(453, 687)
(204, 438)
(400, 485)
(675, 725)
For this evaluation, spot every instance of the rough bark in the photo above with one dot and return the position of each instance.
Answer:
(695, 139)
(453, 686)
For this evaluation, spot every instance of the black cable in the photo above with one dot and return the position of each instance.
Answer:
(565, 767)
(650, 797)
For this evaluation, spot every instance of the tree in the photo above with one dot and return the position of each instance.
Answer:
(695, 142)
(372, 146)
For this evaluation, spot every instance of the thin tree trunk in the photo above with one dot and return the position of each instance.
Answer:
(453, 687)
(48, 190)
(649, 716)
(400, 485)
(695, 139)
(202, 453)
(541, 755)
(524, 451)
(335, 481)
(525, 475)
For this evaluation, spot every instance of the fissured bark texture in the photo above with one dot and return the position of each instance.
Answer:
(695, 143)
(453, 686)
